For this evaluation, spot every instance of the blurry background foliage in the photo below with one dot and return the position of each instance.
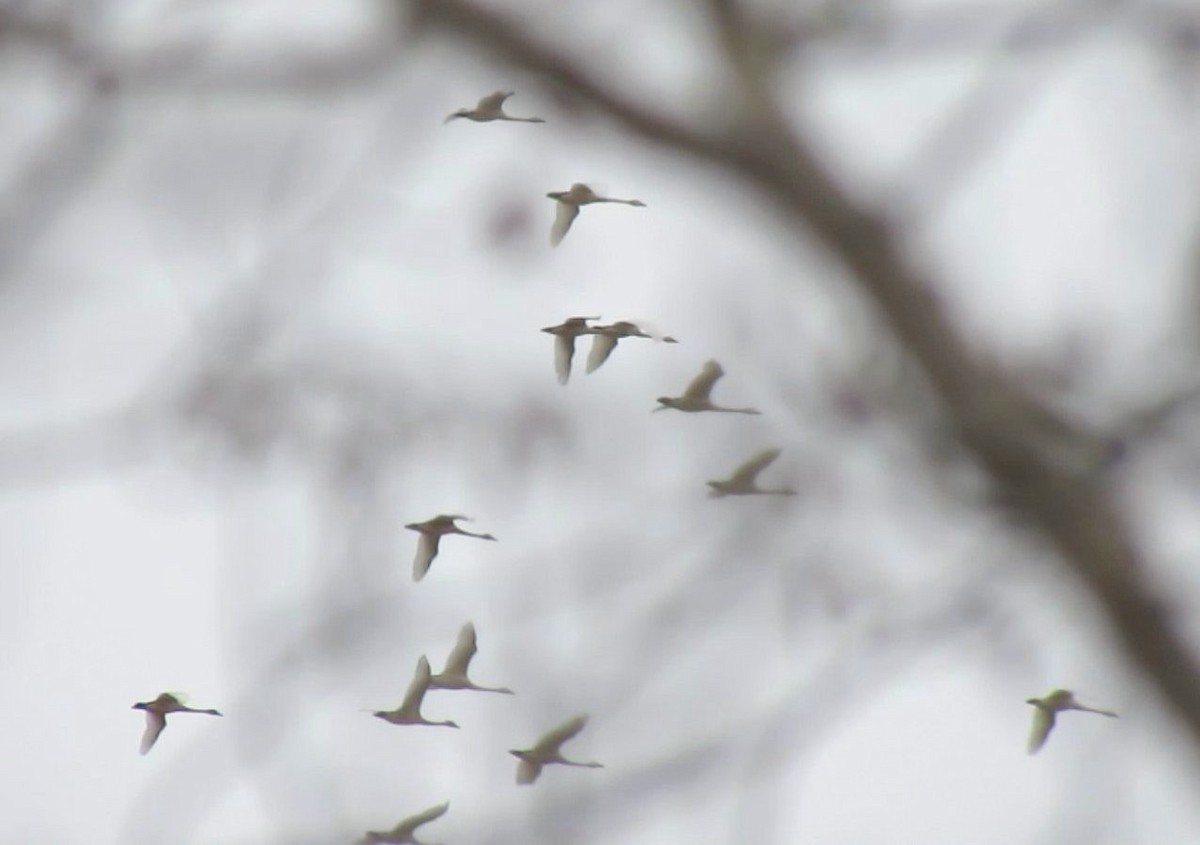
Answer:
(260, 308)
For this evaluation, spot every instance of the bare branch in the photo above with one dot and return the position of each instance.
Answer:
(53, 175)
(1048, 470)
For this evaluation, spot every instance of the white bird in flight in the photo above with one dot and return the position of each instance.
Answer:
(404, 832)
(606, 338)
(409, 711)
(491, 108)
(1045, 710)
(564, 343)
(431, 531)
(546, 751)
(156, 716)
(744, 482)
(695, 396)
(568, 204)
(454, 674)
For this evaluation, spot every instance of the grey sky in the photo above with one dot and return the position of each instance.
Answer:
(324, 306)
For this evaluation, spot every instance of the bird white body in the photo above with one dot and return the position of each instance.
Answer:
(696, 396)
(491, 108)
(1047, 708)
(568, 204)
(404, 833)
(565, 334)
(547, 750)
(606, 338)
(156, 716)
(454, 673)
(409, 711)
(744, 481)
(431, 531)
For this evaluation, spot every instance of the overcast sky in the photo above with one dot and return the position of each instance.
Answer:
(270, 321)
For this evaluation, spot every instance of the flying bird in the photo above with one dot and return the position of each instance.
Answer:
(409, 711)
(431, 531)
(568, 204)
(156, 716)
(606, 338)
(454, 673)
(404, 832)
(546, 751)
(1047, 708)
(743, 482)
(695, 396)
(564, 343)
(491, 108)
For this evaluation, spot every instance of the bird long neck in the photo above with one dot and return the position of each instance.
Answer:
(734, 410)
(591, 765)
(472, 534)
(196, 710)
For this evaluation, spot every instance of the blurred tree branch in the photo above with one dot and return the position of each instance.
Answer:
(1051, 470)
(53, 174)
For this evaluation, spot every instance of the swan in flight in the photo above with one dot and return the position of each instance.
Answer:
(454, 673)
(546, 751)
(606, 338)
(1047, 708)
(564, 343)
(568, 204)
(431, 531)
(156, 716)
(696, 395)
(409, 711)
(743, 482)
(403, 833)
(491, 108)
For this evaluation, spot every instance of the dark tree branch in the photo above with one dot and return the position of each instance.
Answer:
(1045, 466)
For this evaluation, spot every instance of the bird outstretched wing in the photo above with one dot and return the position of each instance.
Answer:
(413, 822)
(155, 723)
(464, 650)
(602, 347)
(748, 472)
(564, 216)
(1043, 722)
(427, 549)
(417, 686)
(553, 740)
(701, 386)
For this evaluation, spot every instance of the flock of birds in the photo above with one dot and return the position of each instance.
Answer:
(696, 397)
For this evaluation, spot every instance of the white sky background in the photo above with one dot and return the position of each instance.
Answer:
(304, 294)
